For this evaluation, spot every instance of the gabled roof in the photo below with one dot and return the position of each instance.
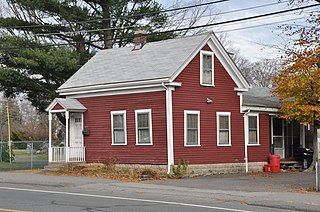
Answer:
(156, 61)
(260, 97)
(67, 105)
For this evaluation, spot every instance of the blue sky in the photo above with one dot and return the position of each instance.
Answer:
(254, 42)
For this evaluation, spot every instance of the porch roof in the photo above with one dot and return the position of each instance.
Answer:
(67, 104)
(260, 97)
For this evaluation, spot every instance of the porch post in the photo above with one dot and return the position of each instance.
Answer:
(67, 136)
(50, 137)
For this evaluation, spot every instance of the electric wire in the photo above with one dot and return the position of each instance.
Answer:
(176, 30)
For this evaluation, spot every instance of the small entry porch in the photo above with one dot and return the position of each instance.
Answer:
(72, 148)
(288, 138)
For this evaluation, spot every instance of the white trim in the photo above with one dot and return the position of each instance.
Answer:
(150, 126)
(240, 94)
(260, 109)
(58, 111)
(209, 53)
(121, 86)
(218, 127)
(226, 61)
(241, 89)
(187, 112)
(96, 93)
(222, 56)
(119, 112)
(258, 129)
(246, 159)
(169, 127)
(50, 138)
(67, 135)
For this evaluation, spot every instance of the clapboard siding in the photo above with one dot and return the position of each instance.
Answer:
(261, 152)
(97, 120)
(192, 96)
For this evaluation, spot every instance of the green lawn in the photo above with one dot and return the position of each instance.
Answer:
(5, 165)
(23, 154)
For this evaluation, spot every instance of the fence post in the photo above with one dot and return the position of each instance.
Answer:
(1, 151)
(31, 155)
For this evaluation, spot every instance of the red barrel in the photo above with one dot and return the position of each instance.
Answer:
(275, 163)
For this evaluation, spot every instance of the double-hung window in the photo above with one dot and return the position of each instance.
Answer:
(253, 129)
(118, 125)
(143, 127)
(206, 68)
(223, 129)
(191, 128)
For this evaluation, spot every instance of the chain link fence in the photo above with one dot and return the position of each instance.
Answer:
(24, 155)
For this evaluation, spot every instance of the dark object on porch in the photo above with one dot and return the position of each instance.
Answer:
(306, 157)
(85, 132)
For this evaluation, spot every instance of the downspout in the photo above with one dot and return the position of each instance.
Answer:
(169, 126)
(246, 137)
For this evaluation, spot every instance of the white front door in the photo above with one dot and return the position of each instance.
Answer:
(76, 137)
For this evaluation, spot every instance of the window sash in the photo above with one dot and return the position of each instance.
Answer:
(119, 127)
(192, 128)
(253, 129)
(143, 127)
(206, 68)
(223, 129)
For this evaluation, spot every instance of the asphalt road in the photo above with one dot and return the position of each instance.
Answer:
(21, 192)
(19, 199)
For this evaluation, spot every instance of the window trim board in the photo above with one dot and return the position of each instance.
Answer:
(203, 52)
(218, 114)
(258, 129)
(124, 113)
(186, 112)
(136, 112)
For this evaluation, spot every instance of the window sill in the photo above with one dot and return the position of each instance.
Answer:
(207, 85)
(144, 144)
(253, 144)
(196, 145)
(119, 144)
(224, 145)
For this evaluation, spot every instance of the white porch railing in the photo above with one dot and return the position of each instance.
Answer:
(76, 154)
(59, 154)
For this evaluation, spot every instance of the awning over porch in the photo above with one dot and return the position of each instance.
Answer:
(74, 149)
(61, 104)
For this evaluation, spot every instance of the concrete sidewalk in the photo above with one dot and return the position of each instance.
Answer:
(289, 191)
(270, 182)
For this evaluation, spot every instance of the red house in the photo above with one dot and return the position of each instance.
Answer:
(164, 102)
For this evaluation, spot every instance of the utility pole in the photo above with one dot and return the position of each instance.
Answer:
(9, 131)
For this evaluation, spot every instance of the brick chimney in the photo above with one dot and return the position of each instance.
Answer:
(140, 39)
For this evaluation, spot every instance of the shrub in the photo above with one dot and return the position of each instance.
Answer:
(180, 170)
(5, 153)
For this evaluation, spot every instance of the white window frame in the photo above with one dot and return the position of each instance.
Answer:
(119, 112)
(218, 127)
(248, 129)
(137, 112)
(187, 112)
(201, 67)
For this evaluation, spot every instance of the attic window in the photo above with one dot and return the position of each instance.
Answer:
(206, 68)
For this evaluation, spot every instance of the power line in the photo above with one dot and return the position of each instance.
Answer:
(259, 25)
(156, 12)
(244, 19)
(129, 16)
(181, 29)
(131, 27)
